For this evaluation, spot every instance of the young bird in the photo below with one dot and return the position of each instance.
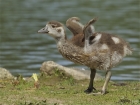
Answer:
(100, 50)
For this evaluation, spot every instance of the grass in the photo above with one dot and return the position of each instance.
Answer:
(59, 89)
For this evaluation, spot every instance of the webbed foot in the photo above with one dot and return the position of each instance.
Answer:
(100, 93)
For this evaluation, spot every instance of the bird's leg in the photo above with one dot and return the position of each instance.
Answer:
(107, 78)
(92, 76)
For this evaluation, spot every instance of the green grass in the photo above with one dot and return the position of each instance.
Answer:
(59, 89)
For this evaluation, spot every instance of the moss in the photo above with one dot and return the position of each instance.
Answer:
(60, 89)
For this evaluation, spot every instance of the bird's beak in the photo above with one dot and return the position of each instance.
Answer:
(43, 30)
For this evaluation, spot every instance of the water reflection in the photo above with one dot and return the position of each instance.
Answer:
(22, 49)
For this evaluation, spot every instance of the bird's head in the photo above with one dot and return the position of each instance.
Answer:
(54, 29)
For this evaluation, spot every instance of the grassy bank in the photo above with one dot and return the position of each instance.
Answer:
(59, 89)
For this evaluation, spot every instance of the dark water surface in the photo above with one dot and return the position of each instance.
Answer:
(23, 50)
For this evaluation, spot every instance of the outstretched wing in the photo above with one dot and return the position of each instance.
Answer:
(74, 25)
(77, 29)
(88, 34)
(88, 29)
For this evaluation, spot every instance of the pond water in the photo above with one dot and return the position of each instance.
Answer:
(23, 50)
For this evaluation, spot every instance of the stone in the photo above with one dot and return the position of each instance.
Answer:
(5, 74)
(48, 67)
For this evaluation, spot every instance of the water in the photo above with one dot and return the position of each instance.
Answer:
(23, 50)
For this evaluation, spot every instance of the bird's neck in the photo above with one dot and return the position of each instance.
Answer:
(61, 41)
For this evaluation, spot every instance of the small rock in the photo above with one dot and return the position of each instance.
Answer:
(5, 74)
(49, 67)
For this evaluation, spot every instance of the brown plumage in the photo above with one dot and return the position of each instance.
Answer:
(100, 51)
(74, 25)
